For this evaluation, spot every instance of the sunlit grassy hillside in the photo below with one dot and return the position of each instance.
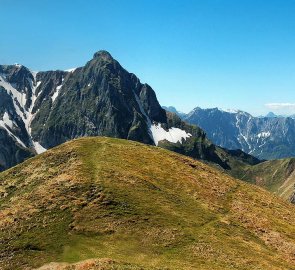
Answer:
(141, 207)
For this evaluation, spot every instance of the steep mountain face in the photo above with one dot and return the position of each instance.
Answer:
(94, 198)
(15, 143)
(11, 153)
(100, 98)
(40, 110)
(265, 138)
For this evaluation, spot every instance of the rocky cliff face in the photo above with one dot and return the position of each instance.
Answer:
(100, 98)
(39, 110)
(265, 138)
(11, 153)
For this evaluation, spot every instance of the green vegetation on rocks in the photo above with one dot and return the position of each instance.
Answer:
(277, 176)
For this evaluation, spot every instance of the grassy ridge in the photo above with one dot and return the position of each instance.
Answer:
(274, 175)
(143, 207)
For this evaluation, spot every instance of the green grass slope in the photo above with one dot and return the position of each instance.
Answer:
(277, 176)
(140, 206)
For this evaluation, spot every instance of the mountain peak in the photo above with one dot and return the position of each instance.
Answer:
(105, 55)
(271, 114)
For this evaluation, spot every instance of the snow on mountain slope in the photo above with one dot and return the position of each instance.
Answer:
(38, 147)
(70, 70)
(265, 138)
(40, 92)
(20, 99)
(59, 86)
(173, 135)
(157, 132)
(7, 124)
(55, 95)
(264, 134)
(6, 120)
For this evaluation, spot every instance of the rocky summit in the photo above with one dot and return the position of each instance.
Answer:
(100, 98)
(40, 110)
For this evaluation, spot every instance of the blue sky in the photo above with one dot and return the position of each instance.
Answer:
(213, 53)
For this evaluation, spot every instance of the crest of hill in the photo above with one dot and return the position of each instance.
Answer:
(277, 176)
(141, 206)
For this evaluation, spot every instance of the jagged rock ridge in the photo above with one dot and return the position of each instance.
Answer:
(265, 138)
(40, 110)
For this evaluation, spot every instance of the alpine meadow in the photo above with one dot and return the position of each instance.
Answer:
(187, 163)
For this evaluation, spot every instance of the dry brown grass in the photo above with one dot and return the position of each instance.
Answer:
(142, 206)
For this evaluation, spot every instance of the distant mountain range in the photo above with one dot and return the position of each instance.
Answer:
(174, 110)
(268, 137)
(273, 115)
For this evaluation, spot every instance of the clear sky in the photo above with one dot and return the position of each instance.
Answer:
(237, 54)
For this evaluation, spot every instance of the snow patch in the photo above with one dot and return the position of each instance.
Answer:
(173, 135)
(39, 148)
(158, 133)
(234, 111)
(241, 135)
(55, 95)
(228, 110)
(263, 134)
(7, 121)
(19, 100)
(70, 70)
